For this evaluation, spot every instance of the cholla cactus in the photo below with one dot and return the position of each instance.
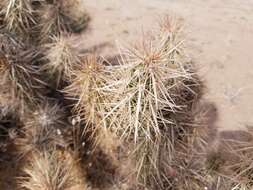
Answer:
(19, 76)
(17, 16)
(5, 98)
(61, 15)
(238, 163)
(42, 130)
(76, 16)
(92, 88)
(42, 147)
(231, 159)
(241, 187)
(156, 92)
(52, 170)
(51, 21)
(62, 58)
(152, 78)
(140, 99)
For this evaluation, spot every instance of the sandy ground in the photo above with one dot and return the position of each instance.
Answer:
(219, 38)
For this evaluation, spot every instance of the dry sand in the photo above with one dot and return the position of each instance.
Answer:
(219, 37)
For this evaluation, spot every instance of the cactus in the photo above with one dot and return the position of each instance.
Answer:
(61, 59)
(52, 169)
(18, 17)
(20, 78)
(61, 16)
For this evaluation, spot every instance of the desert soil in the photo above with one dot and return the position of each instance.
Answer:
(219, 39)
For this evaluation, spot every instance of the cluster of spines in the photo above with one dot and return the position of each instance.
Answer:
(143, 101)
(39, 145)
(146, 101)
